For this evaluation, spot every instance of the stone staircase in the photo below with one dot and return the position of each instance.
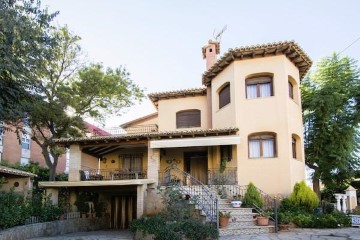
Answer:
(242, 221)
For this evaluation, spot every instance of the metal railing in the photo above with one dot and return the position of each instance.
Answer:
(87, 174)
(199, 194)
(218, 177)
(269, 202)
(129, 130)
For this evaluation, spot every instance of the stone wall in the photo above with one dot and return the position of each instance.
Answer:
(55, 228)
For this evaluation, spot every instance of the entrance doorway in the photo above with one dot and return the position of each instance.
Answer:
(196, 163)
(123, 211)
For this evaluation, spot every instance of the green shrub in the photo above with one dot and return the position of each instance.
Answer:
(14, 209)
(303, 196)
(252, 196)
(303, 220)
(195, 230)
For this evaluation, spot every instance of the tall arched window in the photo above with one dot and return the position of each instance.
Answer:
(262, 145)
(188, 118)
(224, 95)
(257, 87)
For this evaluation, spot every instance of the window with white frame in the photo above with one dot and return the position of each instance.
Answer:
(262, 145)
(25, 141)
(258, 87)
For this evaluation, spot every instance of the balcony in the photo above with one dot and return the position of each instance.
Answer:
(111, 174)
(215, 177)
(129, 130)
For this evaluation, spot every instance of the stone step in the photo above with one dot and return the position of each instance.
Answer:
(238, 223)
(237, 211)
(228, 231)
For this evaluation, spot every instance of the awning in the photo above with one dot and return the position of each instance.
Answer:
(195, 142)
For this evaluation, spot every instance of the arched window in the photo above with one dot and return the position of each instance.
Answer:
(262, 145)
(291, 90)
(188, 118)
(224, 95)
(296, 147)
(260, 86)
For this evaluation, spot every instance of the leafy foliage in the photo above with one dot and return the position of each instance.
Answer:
(331, 97)
(176, 221)
(24, 43)
(252, 196)
(15, 209)
(333, 220)
(304, 197)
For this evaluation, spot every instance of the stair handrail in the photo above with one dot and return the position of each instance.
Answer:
(270, 203)
(207, 201)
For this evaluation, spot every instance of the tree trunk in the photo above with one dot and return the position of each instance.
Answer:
(52, 173)
(316, 187)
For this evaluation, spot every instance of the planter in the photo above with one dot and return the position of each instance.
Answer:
(223, 222)
(236, 203)
(262, 221)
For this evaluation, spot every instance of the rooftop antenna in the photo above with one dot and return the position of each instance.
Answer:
(217, 35)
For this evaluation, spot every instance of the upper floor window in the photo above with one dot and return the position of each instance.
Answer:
(188, 119)
(224, 95)
(291, 90)
(262, 145)
(258, 87)
(293, 146)
(25, 141)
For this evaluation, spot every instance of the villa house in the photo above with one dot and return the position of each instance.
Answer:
(244, 124)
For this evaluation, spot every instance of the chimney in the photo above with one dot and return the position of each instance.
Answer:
(210, 51)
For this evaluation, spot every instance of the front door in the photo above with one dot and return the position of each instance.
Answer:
(196, 163)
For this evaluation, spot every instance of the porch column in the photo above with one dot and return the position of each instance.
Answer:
(344, 207)
(54, 192)
(338, 205)
(72, 200)
(74, 163)
(153, 164)
(140, 200)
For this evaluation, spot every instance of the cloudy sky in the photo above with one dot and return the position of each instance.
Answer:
(159, 41)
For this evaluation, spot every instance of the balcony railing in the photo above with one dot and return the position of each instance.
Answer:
(111, 174)
(130, 130)
(215, 177)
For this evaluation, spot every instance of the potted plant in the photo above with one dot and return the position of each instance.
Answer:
(224, 217)
(236, 201)
(263, 218)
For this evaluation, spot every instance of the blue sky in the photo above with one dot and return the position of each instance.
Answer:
(160, 41)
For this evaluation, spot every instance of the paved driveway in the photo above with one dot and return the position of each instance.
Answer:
(293, 234)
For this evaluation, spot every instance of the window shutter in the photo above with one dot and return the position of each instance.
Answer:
(188, 119)
(224, 96)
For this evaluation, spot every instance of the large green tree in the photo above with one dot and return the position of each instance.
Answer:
(69, 91)
(331, 102)
(25, 41)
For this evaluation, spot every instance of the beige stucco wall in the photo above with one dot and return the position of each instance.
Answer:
(24, 185)
(168, 108)
(225, 116)
(279, 114)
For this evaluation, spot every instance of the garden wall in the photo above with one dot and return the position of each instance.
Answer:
(55, 228)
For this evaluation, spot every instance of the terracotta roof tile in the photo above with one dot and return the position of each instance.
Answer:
(155, 97)
(288, 48)
(17, 172)
(157, 135)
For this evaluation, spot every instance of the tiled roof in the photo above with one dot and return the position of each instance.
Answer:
(16, 172)
(155, 97)
(288, 48)
(150, 135)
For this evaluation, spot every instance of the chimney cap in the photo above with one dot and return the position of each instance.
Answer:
(211, 42)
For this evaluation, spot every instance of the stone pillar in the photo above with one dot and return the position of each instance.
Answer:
(338, 205)
(74, 163)
(54, 195)
(140, 200)
(153, 164)
(344, 207)
(351, 195)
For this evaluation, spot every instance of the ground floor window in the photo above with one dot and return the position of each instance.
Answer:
(262, 145)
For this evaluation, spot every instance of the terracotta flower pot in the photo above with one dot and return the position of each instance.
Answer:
(262, 221)
(223, 222)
